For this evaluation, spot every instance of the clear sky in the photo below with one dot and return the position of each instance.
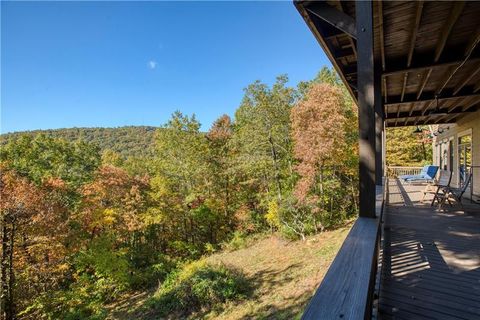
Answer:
(85, 64)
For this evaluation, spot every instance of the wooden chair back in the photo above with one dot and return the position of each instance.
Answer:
(444, 178)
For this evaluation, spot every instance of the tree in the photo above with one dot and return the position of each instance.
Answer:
(220, 173)
(322, 128)
(261, 142)
(404, 148)
(181, 179)
(39, 158)
(34, 221)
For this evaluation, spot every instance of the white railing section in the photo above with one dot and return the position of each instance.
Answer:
(396, 171)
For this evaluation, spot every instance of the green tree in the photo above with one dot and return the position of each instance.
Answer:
(406, 148)
(42, 157)
(262, 143)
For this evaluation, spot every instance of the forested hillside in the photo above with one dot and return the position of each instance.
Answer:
(82, 226)
(127, 141)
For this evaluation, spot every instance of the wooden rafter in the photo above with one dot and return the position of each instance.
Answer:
(412, 105)
(447, 28)
(382, 37)
(385, 92)
(426, 106)
(477, 87)
(424, 81)
(473, 42)
(413, 36)
(466, 79)
(405, 79)
(447, 75)
(350, 39)
(467, 107)
(322, 40)
(456, 105)
(410, 111)
(334, 17)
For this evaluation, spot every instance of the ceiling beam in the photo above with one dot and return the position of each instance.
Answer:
(415, 114)
(397, 101)
(420, 67)
(334, 17)
(419, 122)
(447, 28)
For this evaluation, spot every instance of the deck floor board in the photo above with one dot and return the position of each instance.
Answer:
(430, 260)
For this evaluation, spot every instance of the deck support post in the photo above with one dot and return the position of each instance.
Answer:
(379, 126)
(366, 105)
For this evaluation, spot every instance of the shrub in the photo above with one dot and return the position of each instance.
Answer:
(297, 219)
(199, 286)
(238, 241)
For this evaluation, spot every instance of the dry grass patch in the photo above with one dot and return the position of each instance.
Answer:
(284, 274)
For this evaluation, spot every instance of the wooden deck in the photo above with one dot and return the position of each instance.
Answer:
(431, 261)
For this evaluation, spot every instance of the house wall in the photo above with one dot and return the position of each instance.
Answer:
(470, 123)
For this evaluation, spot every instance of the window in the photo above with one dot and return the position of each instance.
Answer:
(464, 157)
(451, 154)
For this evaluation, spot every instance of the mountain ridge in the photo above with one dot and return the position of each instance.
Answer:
(128, 141)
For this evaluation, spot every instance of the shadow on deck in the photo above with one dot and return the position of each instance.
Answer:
(431, 260)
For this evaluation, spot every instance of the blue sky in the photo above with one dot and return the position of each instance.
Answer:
(86, 64)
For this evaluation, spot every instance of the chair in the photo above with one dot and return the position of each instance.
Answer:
(427, 174)
(457, 193)
(439, 188)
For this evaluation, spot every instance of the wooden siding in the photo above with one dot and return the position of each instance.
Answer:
(470, 122)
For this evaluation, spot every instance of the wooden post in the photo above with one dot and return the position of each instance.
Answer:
(379, 118)
(366, 103)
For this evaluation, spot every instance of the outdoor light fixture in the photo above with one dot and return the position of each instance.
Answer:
(417, 130)
(437, 110)
(440, 131)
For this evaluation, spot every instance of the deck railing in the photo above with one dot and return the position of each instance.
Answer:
(396, 171)
(347, 290)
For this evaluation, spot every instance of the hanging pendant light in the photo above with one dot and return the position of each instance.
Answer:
(437, 111)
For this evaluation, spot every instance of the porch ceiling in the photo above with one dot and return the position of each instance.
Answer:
(423, 49)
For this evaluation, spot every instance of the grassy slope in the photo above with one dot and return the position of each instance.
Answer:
(284, 275)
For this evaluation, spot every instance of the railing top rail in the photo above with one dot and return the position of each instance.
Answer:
(406, 167)
(346, 290)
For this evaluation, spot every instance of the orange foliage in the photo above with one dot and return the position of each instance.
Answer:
(318, 130)
(113, 200)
